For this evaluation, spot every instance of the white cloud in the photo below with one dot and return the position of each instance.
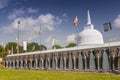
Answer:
(20, 12)
(16, 13)
(31, 10)
(4, 3)
(29, 26)
(71, 38)
(117, 22)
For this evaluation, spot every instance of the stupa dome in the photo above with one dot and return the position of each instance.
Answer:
(90, 35)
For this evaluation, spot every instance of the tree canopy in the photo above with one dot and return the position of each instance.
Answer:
(2, 51)
(33, 46)
(43, 47)
(56, 47)
(71, 45)
(13, 46)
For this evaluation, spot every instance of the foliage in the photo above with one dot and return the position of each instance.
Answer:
(43, 47)
(71, 45)
(3, 52)
(33, 47)
(13, 45)
(56, 47)
(12, 74)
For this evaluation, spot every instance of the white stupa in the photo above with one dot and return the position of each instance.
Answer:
(90, 35)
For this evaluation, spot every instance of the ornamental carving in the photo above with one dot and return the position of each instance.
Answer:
(25, 57)
(16, 57)
(65, 54)
(36, 56)
(98, 52)
(85, 53)
(114, 51)
(42, 56)
(75, 54)
(30, 57)
(19, 57)
(57, 55)
(49, 55)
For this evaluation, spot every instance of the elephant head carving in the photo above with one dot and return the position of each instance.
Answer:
(86, 53)
(57, 55)
(65, 54)
(49, 55)
(98, 52)
(114, 51)
(75, 54)
(42, 56)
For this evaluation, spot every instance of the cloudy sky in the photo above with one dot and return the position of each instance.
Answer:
(55, 17)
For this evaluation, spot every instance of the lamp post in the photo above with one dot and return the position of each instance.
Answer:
(18, 38)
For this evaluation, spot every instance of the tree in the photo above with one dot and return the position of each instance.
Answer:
(3, 52)
(13, 45)
(56, 47)
(71, 45)
(33, 47)
(43, 47)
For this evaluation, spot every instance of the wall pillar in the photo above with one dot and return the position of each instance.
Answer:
(39, 63)
(48, 62)
(80, 60)
(6, 64)
(56, 63)
(65, 60)
(112, 58)
(30, 64)
(13, 64)
(70, 66)
(98, 63)
(74, 63)
(119, 59)
(26, 64)
(10, 64)
(42, 63)
(92, 61)
(36, 64)
(64, 63)
(106, 65)
(16, 64)
(85, 62)
(75, 58)
(61, 61)
(86, 59)
(119, 62)
(21, 64)
(53, 61)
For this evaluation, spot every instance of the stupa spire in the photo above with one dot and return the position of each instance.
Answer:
(88, 18)
(89, 25)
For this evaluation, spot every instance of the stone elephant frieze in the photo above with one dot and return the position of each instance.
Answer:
(75, 54)
(65, 55)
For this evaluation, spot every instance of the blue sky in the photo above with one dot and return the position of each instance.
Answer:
(56, 19)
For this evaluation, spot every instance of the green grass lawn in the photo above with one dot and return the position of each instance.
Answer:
(12, 74)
